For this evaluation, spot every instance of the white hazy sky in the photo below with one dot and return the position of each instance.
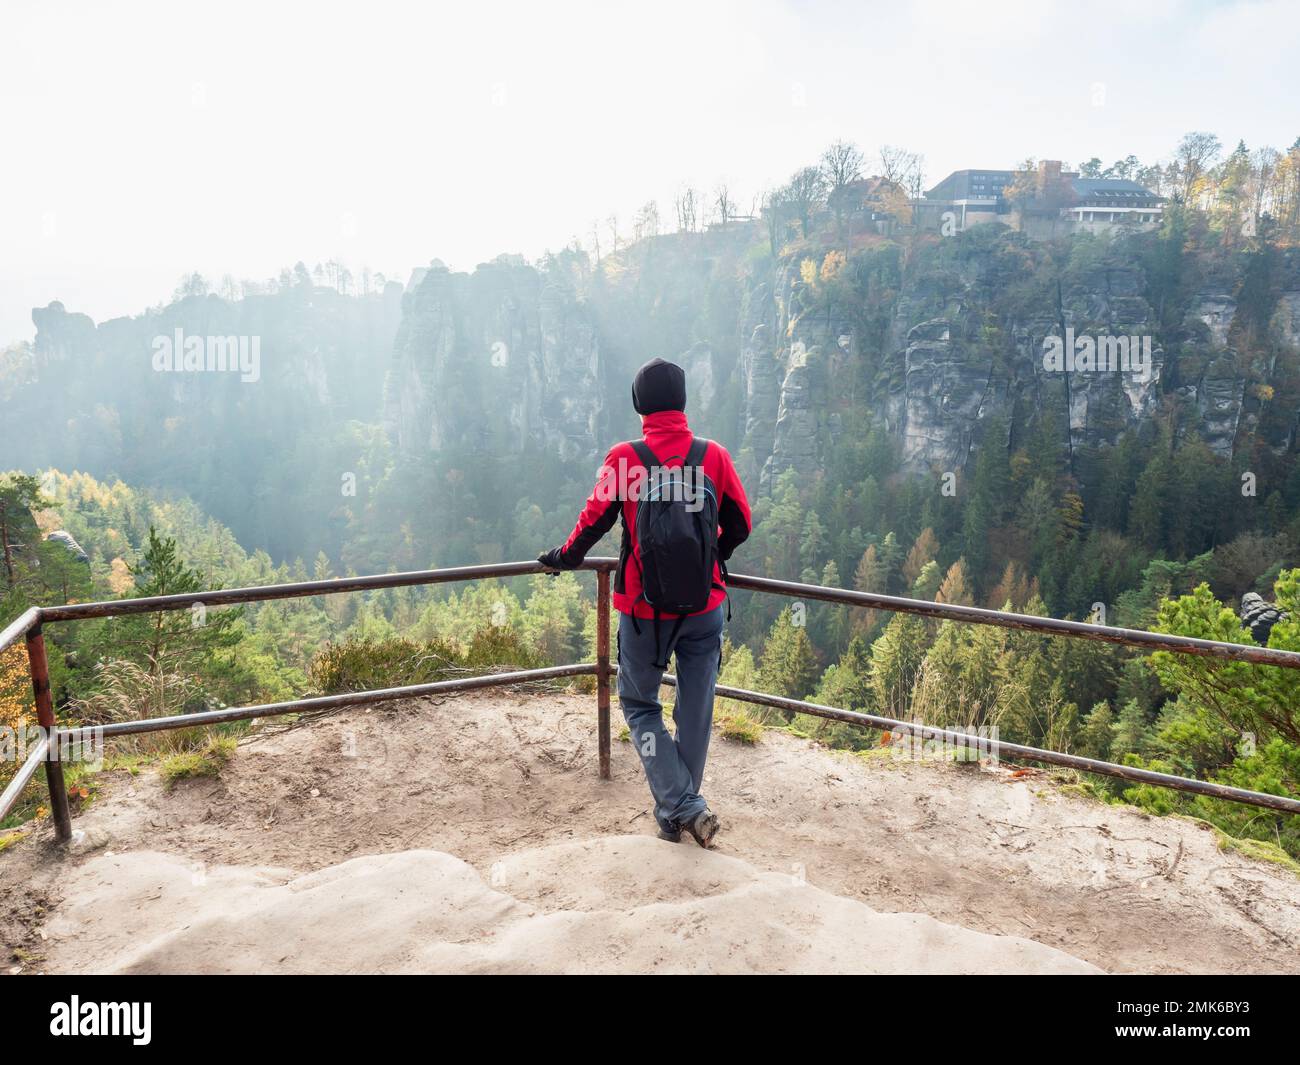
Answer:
(141, 141)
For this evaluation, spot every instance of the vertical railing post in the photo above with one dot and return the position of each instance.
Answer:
(602, 669)
(40, 668)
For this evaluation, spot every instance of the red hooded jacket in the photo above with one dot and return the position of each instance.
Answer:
(669, 437)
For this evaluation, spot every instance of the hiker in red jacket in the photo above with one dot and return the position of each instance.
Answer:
(684, 512)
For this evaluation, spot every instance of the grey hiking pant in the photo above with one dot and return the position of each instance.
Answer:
(674, 767)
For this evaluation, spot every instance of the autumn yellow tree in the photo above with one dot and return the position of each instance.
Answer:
(17, 709)
(870, 576)
(925, 549)
(956, 587)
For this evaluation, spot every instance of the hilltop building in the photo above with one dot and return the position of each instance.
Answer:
(1047, 202)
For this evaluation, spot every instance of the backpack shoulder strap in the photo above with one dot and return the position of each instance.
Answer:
(644, 453)
(695, 456)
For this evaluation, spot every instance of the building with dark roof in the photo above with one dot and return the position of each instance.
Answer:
(969, 197)
(965, 198)
(1111, 201)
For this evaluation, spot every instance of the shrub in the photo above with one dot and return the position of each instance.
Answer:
(355, 665)
(391, 662)
(124, 692)
(207, 761)
(739, 726)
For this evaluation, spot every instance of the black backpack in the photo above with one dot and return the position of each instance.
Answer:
(677, 538)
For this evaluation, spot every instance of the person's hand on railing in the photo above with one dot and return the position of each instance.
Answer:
(554, 559)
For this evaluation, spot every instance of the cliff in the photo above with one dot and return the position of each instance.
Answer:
(783, 352)
(262, 444)
(504, 359)
(787, 355)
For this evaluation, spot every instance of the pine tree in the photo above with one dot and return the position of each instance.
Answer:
(197, 642)
(20, 498)
(870, 574)
(927, 581)
(1149, 509)
(1046, 446)
(988, 498)
(812, 545)
(738, 669)
(832, 622)
(1039, 517)
(987, 663)
(553, 617)
(869, 577)
(1131, 733)
(896, 658)
(61, 576)
(788, 664)
(870, 504)
(321, 570)
(1098, 731)
(782, 527)
(845, 685)
(891, 558)
(940, 697)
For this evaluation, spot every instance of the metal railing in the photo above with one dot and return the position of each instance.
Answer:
(30, 626)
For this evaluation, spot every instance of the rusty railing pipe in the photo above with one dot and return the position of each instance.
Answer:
(298, 590)
(602, 671)
(325, 702)
(23, 777)
(1152, 641)
(20, 626)
(40, 671)
(1012, 750)
(30, 622)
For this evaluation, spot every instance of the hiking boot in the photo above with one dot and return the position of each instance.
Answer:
(703, 827)
(671, 835)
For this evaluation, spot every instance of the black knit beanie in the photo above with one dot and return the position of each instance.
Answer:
(659, 385)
